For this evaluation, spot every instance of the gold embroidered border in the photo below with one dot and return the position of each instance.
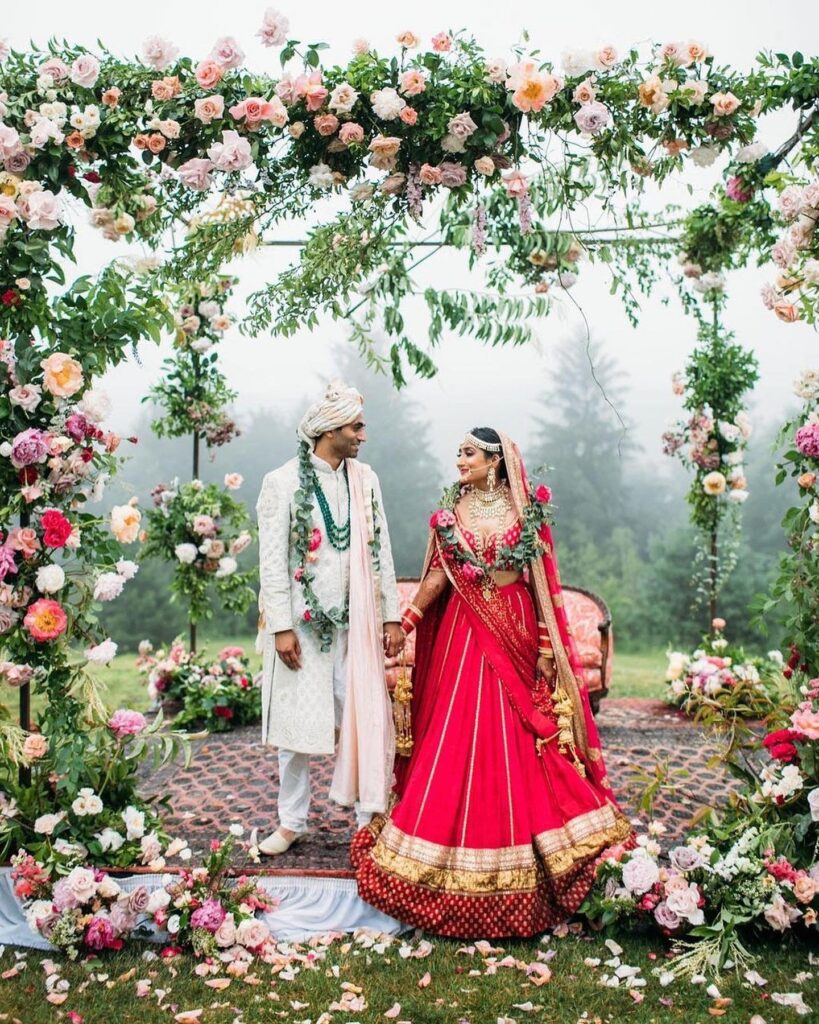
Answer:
(458, 858)
(580, 839)
(450, 879)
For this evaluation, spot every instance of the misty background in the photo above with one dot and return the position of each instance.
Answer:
(622, 519)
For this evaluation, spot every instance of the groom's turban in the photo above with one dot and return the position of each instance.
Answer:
(340, 405)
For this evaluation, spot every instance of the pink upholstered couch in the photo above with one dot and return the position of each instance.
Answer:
(591, 622)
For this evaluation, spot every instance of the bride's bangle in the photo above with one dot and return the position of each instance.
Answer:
(410, 618)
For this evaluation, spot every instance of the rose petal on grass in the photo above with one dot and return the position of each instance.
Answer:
(393, 1011)
(424, 982)
(188, 1016)
(57, 997)
(218, 983)
(638, 997)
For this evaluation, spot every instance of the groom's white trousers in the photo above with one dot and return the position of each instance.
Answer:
(294, 768)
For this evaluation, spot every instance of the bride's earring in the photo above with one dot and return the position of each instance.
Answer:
(491, 479)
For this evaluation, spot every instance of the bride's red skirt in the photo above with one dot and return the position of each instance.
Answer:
(490, 837)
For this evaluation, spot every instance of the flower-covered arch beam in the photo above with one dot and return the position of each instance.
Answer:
(512, 144)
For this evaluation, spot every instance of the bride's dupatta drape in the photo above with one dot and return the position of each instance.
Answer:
(504, 805)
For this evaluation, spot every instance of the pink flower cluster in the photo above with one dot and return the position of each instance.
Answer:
(807, 440)
(443, 518)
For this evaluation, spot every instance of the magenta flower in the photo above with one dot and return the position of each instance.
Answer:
(472, 572)
(209, 916)
(807, 440)
(28, 447)
(543, 494)
(126, 723)
(442, 518)
(100, 935)
(735, 189)
(315, 540)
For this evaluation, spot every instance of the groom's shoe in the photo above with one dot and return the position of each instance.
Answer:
(276, 843)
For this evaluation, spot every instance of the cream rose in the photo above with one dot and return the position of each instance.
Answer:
(62, 375)
(125, 522)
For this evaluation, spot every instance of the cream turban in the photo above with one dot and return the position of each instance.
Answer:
(341, 405)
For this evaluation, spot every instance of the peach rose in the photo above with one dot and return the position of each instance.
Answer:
(385, 145)
(675, 146)
(62, 375)
(208, 73)
(535, 91)
(584, 92)
(695, 51)
(325, 124)
(156, 142)
(125, 520)
(35, 747)
(413, 83)
(408, 115)
(805, 888)
(110, 97)
(409, 40)
(75, 141)
(209, 108)
(606, 57)
(485, 165)
(724, 103)
(786, 311)
(807, 480)
(141, 141)
(429, 175)
(652, 94)
(806, 722)
(24, 539)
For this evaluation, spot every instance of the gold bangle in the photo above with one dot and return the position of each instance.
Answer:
(550, 654)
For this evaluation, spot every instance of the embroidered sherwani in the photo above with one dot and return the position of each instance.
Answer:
(298, 710)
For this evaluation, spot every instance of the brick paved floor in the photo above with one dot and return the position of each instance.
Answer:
(233, 778)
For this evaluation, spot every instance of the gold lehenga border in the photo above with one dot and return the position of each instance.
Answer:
(511, 869)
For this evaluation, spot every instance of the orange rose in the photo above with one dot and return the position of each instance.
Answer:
(786, 311)
(807, 480)
(74, 141)
(110, 97)
(141, 141)
(156, 142)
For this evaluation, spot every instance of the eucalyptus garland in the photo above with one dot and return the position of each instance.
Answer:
(518, 556)
(323, 621)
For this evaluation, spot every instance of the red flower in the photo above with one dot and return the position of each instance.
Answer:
(223, 712)
(780, 745)
(543, 494)
(11, 298)
(443, 518)
(297, 575)
(27, 475)
(93, 177)
(315, 540)
(308, 615)
(57, 528)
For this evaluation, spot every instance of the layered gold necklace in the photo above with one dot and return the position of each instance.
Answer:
(493, 507)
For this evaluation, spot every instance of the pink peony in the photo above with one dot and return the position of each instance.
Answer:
(125, 722)
(158, 52)
(209, 916)
(28, 447)
(807, 440)
(472, 572)
(100, 934)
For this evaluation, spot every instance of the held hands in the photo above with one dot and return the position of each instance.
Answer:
(288, 649)
(546, 668)
(393, 639)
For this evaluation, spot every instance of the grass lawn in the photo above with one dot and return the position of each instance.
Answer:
(462, 988)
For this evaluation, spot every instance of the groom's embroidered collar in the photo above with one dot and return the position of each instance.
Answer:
(321, 466)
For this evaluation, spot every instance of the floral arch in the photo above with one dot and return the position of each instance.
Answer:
(507, 152)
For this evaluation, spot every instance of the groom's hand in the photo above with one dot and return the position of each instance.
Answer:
(288, 649)
(393, 639)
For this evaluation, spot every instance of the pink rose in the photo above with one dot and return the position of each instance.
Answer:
(85, 71)
(413, 83)
(253, 110)
(806, 722)
(126, 723)
(592, 117)
(315, 540)
(208, 108)
(8, 211)
(208, 73)
(724, 103)
(273, 33)
(472, 572)
(442, 42)
(252, 933)
(311, 90)
(443, 518)
(227, 53)
(158, 52)
(232, 153)
(43, 211)
(408, 115)
(204, 526)
(543, 494)
(298, 575)
(195, 173)
(429, 175)
(35, 747)
(351, 133)
(57, 69)
(516, 184)
(325, 124)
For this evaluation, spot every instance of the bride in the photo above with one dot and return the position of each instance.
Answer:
(504, 805)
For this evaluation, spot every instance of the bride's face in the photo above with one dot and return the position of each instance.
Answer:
(473, 464)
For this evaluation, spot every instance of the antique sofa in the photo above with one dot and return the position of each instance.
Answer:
(590, 621)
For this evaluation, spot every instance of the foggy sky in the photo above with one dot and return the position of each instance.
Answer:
(501, 387)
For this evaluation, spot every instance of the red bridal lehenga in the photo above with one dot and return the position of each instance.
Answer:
(504, 805)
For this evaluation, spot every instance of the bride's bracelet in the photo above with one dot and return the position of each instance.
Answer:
(410, 618)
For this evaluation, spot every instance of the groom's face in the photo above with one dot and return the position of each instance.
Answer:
(349, 439)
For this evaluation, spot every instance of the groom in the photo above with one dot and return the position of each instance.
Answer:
(329, 613)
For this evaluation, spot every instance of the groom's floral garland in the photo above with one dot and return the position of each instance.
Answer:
(517, 556)
(307, 540)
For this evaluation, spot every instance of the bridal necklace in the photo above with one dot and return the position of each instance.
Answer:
(491, 506)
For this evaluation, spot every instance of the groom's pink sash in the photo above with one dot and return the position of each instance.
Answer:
(366, 743)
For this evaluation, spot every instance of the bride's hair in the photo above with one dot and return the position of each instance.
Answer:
(491, 437)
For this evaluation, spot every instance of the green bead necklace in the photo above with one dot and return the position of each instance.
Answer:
(339, 536)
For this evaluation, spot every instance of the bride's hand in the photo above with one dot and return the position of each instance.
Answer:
(546, 668)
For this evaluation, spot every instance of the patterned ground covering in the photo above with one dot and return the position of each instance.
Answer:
(233, 778)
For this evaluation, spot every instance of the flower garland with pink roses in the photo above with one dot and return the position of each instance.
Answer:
(518, 556)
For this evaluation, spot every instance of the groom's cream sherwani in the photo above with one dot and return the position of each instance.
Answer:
(298, 706)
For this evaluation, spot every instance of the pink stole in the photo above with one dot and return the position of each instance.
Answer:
(366, 742)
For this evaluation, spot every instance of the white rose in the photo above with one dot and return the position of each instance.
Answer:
(813, 803)
(134, 823)
(173, 924)
(684, 903)
(108, 586)
(387, 104)
(342, 98)
(50, 579)
(640, 873)
(81, 883)
(158, 900)
(751, 153)
(86, 803)
(127, 569)
(227, 566)
(36, 911)
(108, 888)
(103, 653)
(704, 156)
(238, 830)
(811, 271)
(109, 839)
(185, 553)
(321, 176)
(46, 823)
(95, 405)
